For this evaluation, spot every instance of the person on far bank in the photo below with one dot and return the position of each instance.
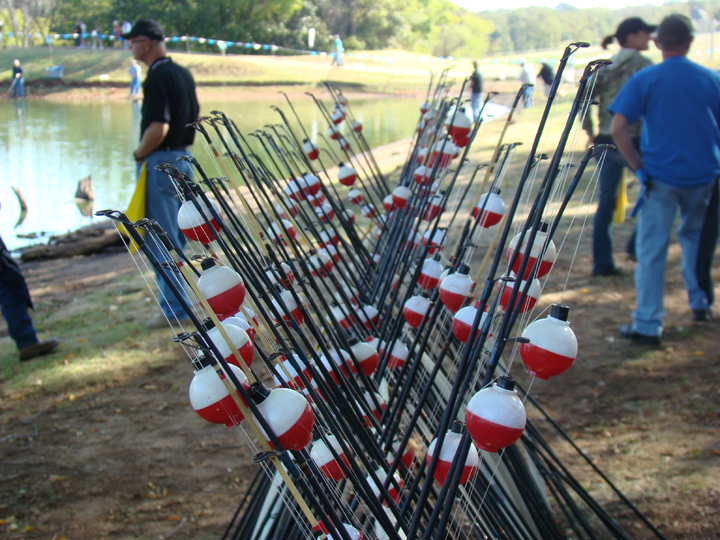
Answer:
(18, 82)
(547, 74)
(527, 76)
(679, 104)
(169, 105)
(135, 72)
(633, 35)
(476, 90)
(338, 51)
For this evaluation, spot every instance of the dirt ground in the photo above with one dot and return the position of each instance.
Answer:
(103, 443)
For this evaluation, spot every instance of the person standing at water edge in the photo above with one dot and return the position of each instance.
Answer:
(527, 76)
(338, 51)
(679, 104)
(169, 105)
(18, 82)
(547, 74)
(14, 302)
(634, 36)
(135, 72)
(476, 89)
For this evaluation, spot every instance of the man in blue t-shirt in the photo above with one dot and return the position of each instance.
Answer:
(679, 104)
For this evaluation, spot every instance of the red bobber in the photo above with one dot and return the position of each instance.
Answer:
(239, 320)
(398, 355)
(210, 398)
(425, 107)
(341, 100)
(344, 144)
(459, 124)
(222, 287)
(193, 225)
(309, 183)
(530, 300)
(291, 305)
(553, 346)
(401, 195)
(548, 257)
(367, 315)
(367, 357)
(331, 252)
(443, 149)
(415, 309)
(294, 191)
(377, 413)
(287, 376)
(338, 115)
(392, 490)
(438, 242)
(495, 416)
(447, 454)
(241, 342)
(455, 288)
(334, 133)
(342, 360)
(433, 207)
(312, 150)
(356, 126)
(462, 323)
(287, 413)
(355, 196)
(328, 238)
(413, 239)
(430, 274)
(288, 206)
(346, 175)
(285, 278)
(422, 175)
(342, 316)
(407, 458)
(494, 208)
(368, 211)
(420, 155)
(316, 202)
(326, 462)
(325, 213)
(276, 233)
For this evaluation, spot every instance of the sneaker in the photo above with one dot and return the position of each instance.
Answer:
(702, 315)
(158, 321)
(628, 332)
(44, 346)
(614, 272)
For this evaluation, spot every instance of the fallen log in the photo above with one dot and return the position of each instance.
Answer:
(81, 242)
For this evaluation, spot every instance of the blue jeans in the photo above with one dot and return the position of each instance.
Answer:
(135, 86)
(653, 238)
(162, 206)
(528, 97)
(609, 183)
(19, 87)
(475, 101)
(14, 307)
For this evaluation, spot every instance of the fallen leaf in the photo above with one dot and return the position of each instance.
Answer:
(716, 452)
(57, 478)
(28, 528)
(584, 291)
(174, 518)
(699, 353)
(81, 340)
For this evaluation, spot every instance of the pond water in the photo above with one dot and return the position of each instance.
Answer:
(47, 146)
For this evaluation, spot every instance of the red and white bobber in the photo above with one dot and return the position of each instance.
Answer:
(463, 320)
(325, 460)
(309, 183)
(447, 454)
(344, 144)
(495, 416)
(210, 398)
(355, 196)
(287, 413)
(392, 490)
(438, 242)
(368, 211)
(366, 355)
(341, 100)
(277, 235)
(347, 175)
(530, 300)
(413, 239)
(288, 206)
(349, 216)
(548, 258)
(329, 238)
(341, 359)
(348, 292)
(292, 306)
(422, 175)
(433, 207)
(342, 316)
(401, 195)
(312, 150)
(286, 277)
(193, 225)
(415, 309)
(356, 126)
(389, 203)
(444, 150)
(420, 154)
(333, 133)
(331, 252)
(377, 413)
(287, 376)
(337, 116)
(407, 458)
(459, 124)
(553, 346)
(223, 288)
(494, 209)
(243, 324)
(425, 107)
(367, 315)
(294, 191)
(325, 213)
(316, 201)
(430, 274)
(455, 288)
(398, 355)
(240, 340)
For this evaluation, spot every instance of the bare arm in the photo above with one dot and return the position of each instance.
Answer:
(624, 142)
(151, 139)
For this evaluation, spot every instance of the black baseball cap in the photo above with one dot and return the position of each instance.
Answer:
(148, 28)
(631, 26)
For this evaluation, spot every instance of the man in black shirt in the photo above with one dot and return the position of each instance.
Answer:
(169, 104)
(476, 89)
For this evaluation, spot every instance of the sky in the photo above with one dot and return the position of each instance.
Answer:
(481, 5)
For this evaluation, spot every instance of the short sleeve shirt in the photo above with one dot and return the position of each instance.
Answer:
(679, 104)
(169, 97)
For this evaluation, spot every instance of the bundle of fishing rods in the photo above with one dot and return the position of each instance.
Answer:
(359, 358)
